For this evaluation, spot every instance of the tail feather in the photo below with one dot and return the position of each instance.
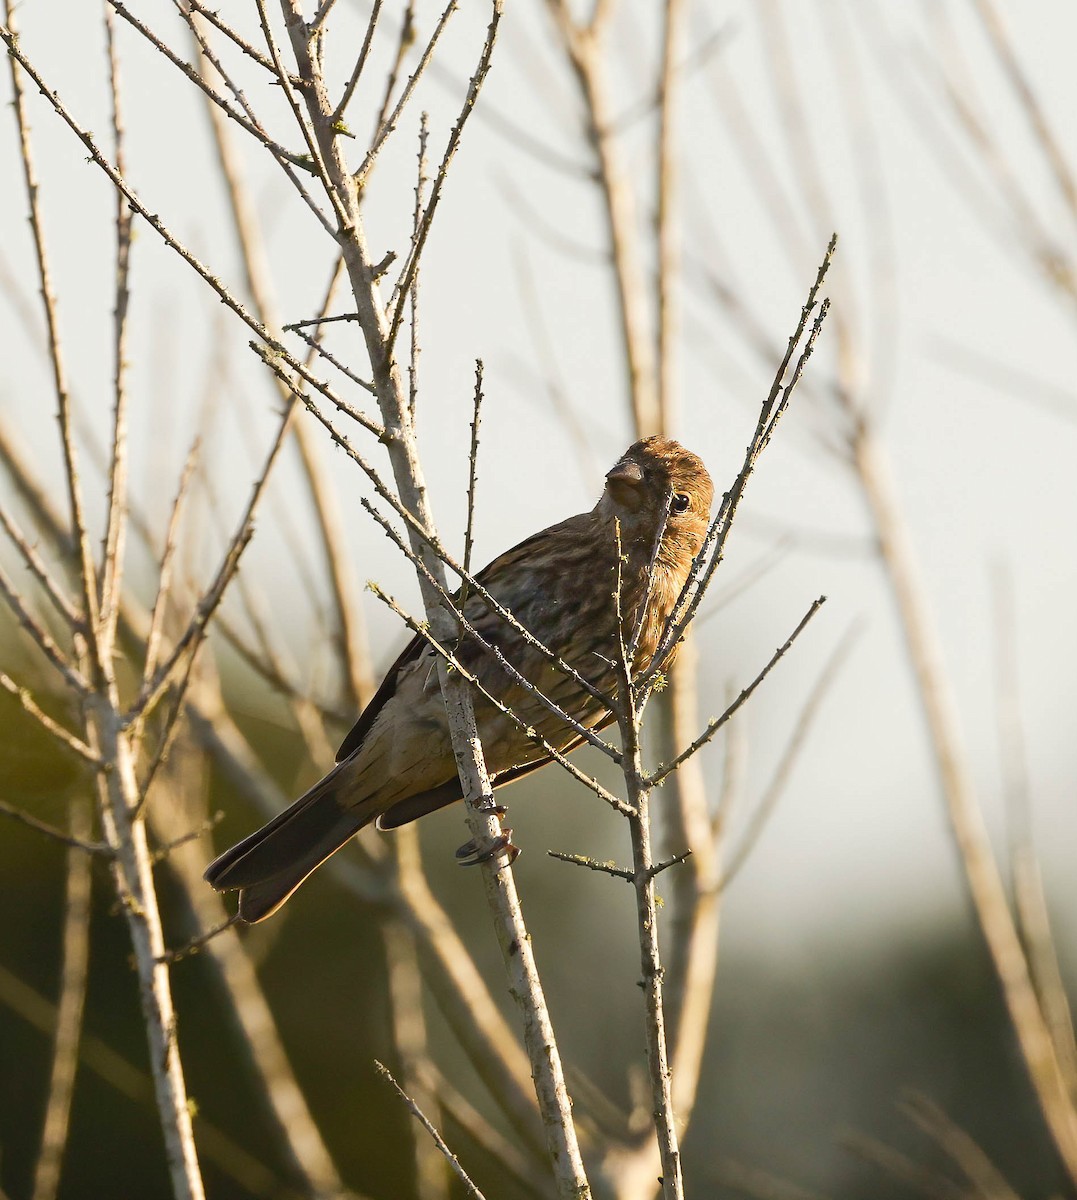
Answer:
(270, 864)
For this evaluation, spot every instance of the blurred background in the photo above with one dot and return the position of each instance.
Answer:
(854, 990)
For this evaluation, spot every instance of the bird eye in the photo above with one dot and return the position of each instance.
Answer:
(680, 502)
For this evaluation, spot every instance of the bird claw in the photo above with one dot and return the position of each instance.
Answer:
(480, 850)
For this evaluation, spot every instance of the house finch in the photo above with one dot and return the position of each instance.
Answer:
(397, 762)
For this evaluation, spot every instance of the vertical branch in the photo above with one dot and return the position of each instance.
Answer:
(666, 230)
(421, 181)
(409, 1028)
(583, 47)
(56, 359)
(966, 818)
(1034, 922)
(132, 872)
(378, 332)
(297, 1134)
(76, 961)
(472, 475)
(629, 718)
(116, 522)
(693, 961)
(106, 736)
(359, 675)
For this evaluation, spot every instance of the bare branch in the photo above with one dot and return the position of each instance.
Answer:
(448, 657)
(88, 579)
(57, 835)
(387, 124)
(189, 641)
(472, 477)
(773, 408)
(111, 575)
(164, 572)
(360, 63)
(980, 1171)
(774, 789)
(403, 284)
(593, 864)
(469, 1188)
(41, 638)
(41, 573)
(717, 722)
(159, 227)
(64, 736)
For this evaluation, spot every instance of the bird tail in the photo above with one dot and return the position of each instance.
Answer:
(269, 865)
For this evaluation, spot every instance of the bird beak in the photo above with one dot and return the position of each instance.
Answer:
(625, 472)
(624, 484)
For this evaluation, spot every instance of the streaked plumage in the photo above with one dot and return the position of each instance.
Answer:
(397, 763)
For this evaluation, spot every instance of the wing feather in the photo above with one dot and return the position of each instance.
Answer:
(415, 647)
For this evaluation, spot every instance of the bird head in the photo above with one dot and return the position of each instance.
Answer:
(654, 477)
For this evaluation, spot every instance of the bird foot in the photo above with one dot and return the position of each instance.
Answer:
(480, 850)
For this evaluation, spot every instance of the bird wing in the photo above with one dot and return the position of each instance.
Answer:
(381, 697)
(483, 619)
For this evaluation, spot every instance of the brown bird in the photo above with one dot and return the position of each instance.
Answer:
(397, 762)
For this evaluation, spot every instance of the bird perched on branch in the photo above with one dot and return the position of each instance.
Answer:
(561, 585)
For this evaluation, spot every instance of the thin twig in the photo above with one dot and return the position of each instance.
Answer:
(405, 39)
(112, 564)
(415, 349)
(387, 124)
(57, 835)
(606, 867)
(419, 530)
(418, 243)
(774, 406)
(41, 572)
(41, 637)
(360, 63)
(214, 18)
(164, 571)
(189, 641)
(717, 722)
(472, 476)
(638, 789)
(197, 944)
(448, 657)
(87, 572)
(469, 1188)
(611, 868)
(64, 736)
(275, 347)
(774, 789)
